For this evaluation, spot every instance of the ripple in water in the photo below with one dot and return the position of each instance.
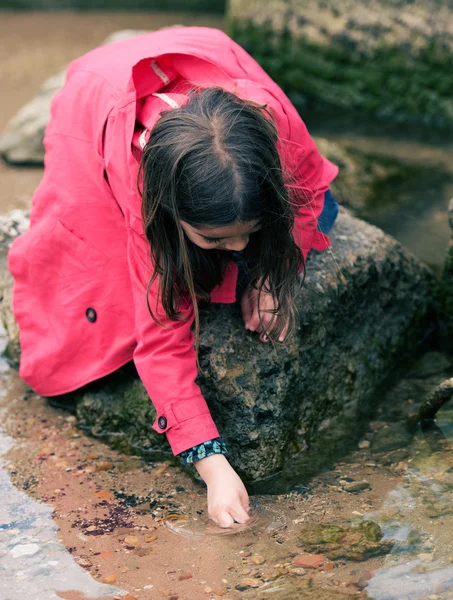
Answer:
(262, 520)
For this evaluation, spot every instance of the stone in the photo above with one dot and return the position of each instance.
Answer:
(319, 52)
(248, 387)
(345, 542)
(248, 582)
(24, 550)
(257, 560)
(309, 561)
(356, 486)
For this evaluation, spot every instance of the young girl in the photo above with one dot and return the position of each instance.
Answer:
(167, 156)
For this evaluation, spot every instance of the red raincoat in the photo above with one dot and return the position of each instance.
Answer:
(81, 270)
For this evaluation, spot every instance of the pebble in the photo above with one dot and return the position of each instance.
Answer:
(85, 562)
(248, 582)
(111, 578)
(270, 573)
(220, 591)
(309, 561)
(258, 559)
(24, 550)
(208, 590)
(296, 570)
(106, 466)
(356, 486)
(130, 540)
(364, 444)
(152, 538)
(184, 576)
(246, 554)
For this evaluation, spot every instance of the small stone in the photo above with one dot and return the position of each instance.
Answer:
(220, 591)
(24, 550)
(184, 576)
(246, 571)
(309, 561)
(92, 528)
(246, 554)
(111, 578)
(208, 590)
(131, 540)
(364, 444)
(106, 466)
(258, 559)
(296, 571)
(152, 538)
(356, 486)
(85, 562)
(248, 582)
(269, 573)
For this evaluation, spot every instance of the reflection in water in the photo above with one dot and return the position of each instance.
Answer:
(33, 562)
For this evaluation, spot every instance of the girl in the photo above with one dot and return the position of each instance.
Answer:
(167, 156)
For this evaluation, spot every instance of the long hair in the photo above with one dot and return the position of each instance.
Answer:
(211, 163)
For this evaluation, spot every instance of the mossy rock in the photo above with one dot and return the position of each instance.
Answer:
(346, 542)
(373, 57)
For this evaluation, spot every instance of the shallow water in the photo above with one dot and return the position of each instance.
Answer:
(77, 515)
(411, 208)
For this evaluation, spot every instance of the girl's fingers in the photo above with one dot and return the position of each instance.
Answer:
(239, 514)
(224, 519)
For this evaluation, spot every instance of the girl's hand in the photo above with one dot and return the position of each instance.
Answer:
(249, 305)
(228, 500)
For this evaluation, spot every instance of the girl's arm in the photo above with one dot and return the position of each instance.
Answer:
(165, 359)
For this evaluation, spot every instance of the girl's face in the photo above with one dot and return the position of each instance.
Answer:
(232, 237)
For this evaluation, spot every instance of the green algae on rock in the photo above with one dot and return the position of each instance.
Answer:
(373, 57)
(345, 542)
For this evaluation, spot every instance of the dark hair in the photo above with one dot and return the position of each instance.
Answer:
(211, 163)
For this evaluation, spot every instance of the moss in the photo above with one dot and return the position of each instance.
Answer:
(392, 82)
(345, 542)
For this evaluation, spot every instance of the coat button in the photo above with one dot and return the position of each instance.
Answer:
(91, 315)
(162, 422)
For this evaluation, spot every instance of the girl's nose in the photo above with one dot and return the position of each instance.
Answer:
(238, 245)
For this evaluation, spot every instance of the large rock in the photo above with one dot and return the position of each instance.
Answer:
(384, 59)
(363, 307)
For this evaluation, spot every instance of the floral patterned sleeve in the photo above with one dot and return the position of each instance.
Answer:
(214, 446)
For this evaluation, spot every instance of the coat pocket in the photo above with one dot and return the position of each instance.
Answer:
(60, 253)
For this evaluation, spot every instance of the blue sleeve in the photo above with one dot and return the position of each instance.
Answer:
(214, 446)
(329, 213)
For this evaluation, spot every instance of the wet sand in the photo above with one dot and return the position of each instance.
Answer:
(142, 527)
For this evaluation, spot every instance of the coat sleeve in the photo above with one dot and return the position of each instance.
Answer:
(165, 358)
(311, 175)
